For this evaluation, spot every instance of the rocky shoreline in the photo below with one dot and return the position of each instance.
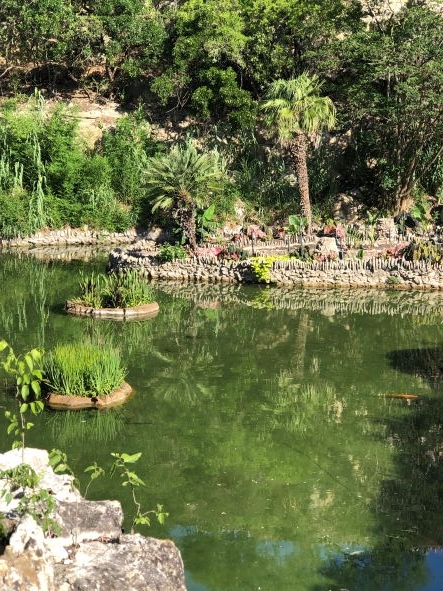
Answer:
(140, 251)
(373, 272)
(89, 552)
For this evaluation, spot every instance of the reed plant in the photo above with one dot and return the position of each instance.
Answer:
(128, 289)
(83, 369)
(92, 288)
(117, 290)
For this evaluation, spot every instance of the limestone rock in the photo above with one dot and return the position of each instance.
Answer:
(89, 520)
(134, 564)
(347, 209)
(91, 553)
(25, 563)
(326, 246)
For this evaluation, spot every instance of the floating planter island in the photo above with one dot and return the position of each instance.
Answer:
(84, 375)
(64, 402)
(135, 312)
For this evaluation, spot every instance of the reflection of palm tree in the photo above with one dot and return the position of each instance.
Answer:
(186, 377)
(300, 343)
(296, 408)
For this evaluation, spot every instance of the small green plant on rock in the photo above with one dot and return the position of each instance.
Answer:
(171, 252)
(122, 464)
(28, 374)
(34, 501)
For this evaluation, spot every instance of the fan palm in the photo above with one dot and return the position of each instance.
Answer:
(183, 181)
(296, 109)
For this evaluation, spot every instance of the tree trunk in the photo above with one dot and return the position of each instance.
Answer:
(186, 214)
(297, 149)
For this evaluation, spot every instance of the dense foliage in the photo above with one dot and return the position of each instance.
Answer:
(208, 67)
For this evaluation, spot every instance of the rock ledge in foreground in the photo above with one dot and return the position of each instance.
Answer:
(91, 553)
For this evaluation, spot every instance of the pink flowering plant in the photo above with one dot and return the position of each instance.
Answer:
(395, 252)
(255, 232)
(231, 253)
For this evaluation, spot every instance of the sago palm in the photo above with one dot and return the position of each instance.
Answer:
(182, 181)
(296, 109)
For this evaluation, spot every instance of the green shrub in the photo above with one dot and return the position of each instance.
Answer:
(117, 290)
(126, 290)
(127, 147)
(171, 252)
(60, 181)
(83, 370)
(14, 220)
(422, 251)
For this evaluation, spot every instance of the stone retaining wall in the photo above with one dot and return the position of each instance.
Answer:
(70, 236)
(373, 272)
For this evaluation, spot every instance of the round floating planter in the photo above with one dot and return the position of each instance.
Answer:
(115, 398)
(135, 312)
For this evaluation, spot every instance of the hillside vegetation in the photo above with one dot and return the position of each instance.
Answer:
(278, 105)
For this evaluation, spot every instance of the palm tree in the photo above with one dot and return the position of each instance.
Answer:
(296, 109)
(182, 181)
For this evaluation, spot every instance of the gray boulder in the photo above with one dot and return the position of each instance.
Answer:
(90, 553)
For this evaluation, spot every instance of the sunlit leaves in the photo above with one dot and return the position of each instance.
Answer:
(28, 391)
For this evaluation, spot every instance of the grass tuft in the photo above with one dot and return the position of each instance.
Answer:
(117, 290)
(83, 370)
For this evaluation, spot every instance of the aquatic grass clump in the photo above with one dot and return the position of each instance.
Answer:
(83, 370)
(117, 290)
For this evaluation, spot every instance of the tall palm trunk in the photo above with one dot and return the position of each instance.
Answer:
(298, 151)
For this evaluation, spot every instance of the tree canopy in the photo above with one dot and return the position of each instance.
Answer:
(209, 66)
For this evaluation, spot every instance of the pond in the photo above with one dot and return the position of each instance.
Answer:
(266, 423)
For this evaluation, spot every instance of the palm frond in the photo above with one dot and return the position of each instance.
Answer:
(295, 106)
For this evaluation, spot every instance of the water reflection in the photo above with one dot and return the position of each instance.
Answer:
(426, 362)
(264, 427)
(408, 555)
(68, 427)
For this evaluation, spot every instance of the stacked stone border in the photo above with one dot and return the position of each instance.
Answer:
(115, 398)
(70, 236)
(373, 272)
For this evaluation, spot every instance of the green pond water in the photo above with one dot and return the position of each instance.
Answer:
(264, 424)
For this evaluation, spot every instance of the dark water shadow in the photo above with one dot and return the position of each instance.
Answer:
(409, 507)
(426, 363)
